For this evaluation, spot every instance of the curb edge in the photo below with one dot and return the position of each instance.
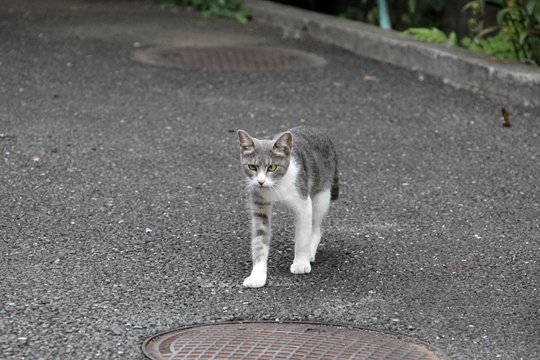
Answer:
(509, 82)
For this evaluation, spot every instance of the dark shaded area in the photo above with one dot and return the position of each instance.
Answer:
(446, 15)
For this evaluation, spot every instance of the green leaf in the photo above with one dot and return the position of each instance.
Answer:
(432, 35)
(531, 5)
(452, 40)
(502, 13)
(227, 8)
(470, 5)
(242, 16)
(487, 31)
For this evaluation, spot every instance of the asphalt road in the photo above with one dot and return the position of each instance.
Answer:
(122, 208)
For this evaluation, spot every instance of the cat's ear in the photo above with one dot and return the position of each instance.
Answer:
(247, 145)
(283, 144)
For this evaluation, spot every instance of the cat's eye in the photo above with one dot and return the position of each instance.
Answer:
(252, 167)
(272, 168)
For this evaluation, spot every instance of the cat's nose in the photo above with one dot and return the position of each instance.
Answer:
(260, 181)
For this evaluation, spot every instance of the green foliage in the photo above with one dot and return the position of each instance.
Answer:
(517, 34)
(432, 35)
(225, 8)
(498, 45)
(476, 19)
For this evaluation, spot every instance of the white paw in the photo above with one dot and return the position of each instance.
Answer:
(300, 267)
(255, 281)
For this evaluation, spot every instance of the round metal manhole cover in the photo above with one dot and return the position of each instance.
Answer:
(230, 58)
(267, 340)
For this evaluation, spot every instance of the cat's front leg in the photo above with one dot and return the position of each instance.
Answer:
(260, 243)
(302, 237)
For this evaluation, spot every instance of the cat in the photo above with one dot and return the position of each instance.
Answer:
(297, 169)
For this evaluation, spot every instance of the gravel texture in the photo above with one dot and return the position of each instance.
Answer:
(122, 208)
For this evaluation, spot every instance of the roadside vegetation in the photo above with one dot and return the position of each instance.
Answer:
(224, 8)
(515, 34)
(511, 31)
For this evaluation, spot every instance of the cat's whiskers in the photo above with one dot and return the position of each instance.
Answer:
(275, 187)
(247, 185)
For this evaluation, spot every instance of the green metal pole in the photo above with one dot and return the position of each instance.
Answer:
(384, 17)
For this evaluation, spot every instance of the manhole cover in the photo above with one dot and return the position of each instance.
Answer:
(292, 340)
(230, 58)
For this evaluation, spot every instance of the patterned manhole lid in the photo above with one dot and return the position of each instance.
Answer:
(288, 340)
(229, 58)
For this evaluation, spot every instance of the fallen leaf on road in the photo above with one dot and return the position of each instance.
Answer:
(506, 118)
(369, 78)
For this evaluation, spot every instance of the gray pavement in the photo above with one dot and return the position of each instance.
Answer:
(122, 212)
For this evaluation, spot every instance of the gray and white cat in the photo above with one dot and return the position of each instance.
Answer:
(297, 169)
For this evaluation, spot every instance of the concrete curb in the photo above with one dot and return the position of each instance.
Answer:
(508, 82)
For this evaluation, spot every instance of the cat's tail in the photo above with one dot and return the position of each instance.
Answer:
(334, 189)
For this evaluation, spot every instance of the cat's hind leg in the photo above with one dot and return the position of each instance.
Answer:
(320, 204)
(302, 237)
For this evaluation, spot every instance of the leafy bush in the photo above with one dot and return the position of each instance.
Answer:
(432, 35)
(499, 45)
(517, 33)
(225, 8)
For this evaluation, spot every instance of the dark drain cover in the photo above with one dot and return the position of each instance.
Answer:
(230, 58)
(293, 340)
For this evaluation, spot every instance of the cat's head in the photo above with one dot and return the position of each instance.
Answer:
(265, 162)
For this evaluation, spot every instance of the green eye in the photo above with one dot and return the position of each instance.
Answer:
(252, 167)
(272, 168)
